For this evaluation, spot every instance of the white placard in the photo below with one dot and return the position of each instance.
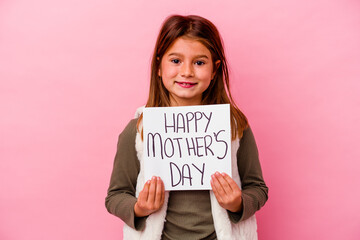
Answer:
(186, 145)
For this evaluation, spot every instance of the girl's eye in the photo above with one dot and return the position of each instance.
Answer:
(175, 60)
(199, 63)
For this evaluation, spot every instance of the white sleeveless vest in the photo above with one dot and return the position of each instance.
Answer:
(224, 228)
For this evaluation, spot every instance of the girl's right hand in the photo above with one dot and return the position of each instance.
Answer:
(151, 198)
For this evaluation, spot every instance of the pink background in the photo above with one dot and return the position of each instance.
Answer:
(72, 73)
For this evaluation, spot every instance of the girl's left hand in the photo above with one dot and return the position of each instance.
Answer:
(226, 191)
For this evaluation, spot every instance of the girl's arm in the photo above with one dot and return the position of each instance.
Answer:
(120, 199)
(254, 189)
(242, 204)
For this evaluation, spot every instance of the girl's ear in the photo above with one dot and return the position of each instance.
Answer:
(216, 66)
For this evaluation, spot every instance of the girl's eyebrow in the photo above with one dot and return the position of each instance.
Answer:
(196, 56)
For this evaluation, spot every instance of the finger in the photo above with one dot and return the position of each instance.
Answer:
(143, 195)
(162, 193)
(217, 189)
(231, 182)
(159, 190)
(152, 189)
(224, 184)
(221, 184)
(216, 183)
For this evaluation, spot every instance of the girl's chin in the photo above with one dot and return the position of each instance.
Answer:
(185, 101)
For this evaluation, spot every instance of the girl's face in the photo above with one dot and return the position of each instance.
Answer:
(186, 70)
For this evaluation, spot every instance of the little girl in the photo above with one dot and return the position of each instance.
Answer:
(188, 68)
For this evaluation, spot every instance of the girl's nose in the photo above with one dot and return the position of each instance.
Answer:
(187, 70)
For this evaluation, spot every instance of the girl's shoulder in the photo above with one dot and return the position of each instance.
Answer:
(130, 129)
(139, 111)
(248, 139)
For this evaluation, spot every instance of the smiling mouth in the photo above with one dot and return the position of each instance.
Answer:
(186, 84)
